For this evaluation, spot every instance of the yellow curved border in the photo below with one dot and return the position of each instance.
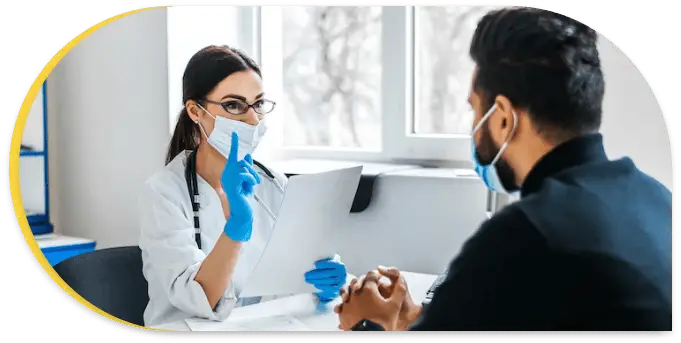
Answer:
(14, 164)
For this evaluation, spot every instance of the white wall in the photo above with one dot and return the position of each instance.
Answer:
(633, 124)
(110, 95)
(190, 29)
(108, 121)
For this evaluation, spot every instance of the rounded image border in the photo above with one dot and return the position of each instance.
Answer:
(14, 156)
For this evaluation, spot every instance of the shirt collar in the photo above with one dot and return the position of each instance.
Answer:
(575, 152)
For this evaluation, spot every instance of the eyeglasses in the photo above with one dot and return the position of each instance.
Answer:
(238, 107)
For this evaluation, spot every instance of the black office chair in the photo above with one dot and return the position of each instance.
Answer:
(110, 279)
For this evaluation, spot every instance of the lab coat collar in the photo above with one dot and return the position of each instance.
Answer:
(575, 152)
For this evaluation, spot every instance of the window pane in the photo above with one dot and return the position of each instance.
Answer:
(332, 76)
(444, 68)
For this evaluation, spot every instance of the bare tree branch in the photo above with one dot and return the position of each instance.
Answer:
(335, 36)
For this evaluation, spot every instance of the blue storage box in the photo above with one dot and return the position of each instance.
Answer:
(58, 248)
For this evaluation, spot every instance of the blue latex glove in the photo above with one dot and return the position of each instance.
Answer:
(328, 276)
(238, 181)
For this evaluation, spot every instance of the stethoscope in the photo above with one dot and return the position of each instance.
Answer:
(193, 187)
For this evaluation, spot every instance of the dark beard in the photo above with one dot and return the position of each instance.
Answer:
(485, 153)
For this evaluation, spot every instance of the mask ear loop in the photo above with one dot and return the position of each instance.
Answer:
(199, 124)
(508, 139)
(201, 128)
(205, 110)
(484, 119)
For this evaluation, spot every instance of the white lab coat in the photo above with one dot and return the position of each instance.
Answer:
(170, 254)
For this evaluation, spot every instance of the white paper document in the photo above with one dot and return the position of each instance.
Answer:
(273, 323)
(314, 211)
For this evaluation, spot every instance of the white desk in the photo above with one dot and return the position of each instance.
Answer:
(301, 307)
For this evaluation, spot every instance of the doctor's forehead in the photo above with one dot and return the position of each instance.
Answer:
(244, 84)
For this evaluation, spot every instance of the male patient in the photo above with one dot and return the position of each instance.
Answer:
(588, 246)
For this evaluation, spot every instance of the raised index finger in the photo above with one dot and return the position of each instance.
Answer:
(234, 149)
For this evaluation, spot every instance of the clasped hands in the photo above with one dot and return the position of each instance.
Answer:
(382, 297)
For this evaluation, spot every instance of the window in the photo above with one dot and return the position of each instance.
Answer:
(364, 83)
(331, 77)
(443, 68)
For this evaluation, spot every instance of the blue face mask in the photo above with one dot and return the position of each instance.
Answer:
(488, 173)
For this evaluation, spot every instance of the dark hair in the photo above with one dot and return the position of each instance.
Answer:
(546, 64)
(205, 70)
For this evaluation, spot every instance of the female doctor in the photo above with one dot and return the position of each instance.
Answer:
(207, 216)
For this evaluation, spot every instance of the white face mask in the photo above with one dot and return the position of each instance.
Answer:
(221, 137)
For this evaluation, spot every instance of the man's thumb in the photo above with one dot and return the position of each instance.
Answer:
(401, 288)
(398, 294)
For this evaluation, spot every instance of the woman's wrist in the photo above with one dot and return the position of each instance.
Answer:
(227, 242)
(223, 201)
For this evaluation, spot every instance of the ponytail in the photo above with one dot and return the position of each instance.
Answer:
(184, 136)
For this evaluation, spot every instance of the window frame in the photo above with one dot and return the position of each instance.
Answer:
(399, 142)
